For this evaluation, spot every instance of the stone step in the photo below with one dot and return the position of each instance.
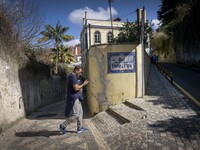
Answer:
(132, 105)
(128, 113)
(116, 117)
(95, 136)
(106, 122)
(137, 103)
(115, 113)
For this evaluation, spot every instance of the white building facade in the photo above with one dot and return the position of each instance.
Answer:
(96, 32)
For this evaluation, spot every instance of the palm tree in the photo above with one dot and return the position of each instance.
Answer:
(64, 55)
(57, 36)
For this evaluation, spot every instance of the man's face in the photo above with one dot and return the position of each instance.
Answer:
(78, 72)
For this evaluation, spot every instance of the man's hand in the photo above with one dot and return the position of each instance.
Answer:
(81, 90)
(85, 82)
(79, 87)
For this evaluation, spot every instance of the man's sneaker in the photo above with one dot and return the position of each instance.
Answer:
(82, 129)
(62, 129)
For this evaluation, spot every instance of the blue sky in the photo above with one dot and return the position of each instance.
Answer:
(71, 12)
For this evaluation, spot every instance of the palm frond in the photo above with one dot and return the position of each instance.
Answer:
(69, 59)
(52, 55)
(45, 33)
(49, 28)
(66, 50)
(69, 55)
(54, 49)
(43, 39)
(64, 29)
(58, 27)
(67, 37)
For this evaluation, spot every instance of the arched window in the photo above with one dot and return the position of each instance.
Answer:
(97, 37)
(109, 37)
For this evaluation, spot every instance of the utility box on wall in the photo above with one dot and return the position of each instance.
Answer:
(111, 70)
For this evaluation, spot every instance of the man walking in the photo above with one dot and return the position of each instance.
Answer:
(74, 110)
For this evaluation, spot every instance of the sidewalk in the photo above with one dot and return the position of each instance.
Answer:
(161, 120)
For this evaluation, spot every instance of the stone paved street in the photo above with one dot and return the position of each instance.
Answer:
(162, 120)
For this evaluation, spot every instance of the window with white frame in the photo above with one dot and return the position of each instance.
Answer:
(109, 37)
(97, 37)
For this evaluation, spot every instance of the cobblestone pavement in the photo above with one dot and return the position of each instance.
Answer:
(161, 120)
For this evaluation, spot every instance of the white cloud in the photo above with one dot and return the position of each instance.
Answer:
(155, 23)
(77, 15)
(72, 42)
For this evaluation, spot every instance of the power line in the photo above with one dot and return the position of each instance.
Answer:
(129, 14)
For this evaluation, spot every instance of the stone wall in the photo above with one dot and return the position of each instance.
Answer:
(188, 54)
(38, 87)
(187, 38)
(24, 87)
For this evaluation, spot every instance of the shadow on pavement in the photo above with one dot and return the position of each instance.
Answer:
(45, 116)
(161, 92)
(56, 111)
(40, 133)
(171, 102)
(183, 122)
(180, 127)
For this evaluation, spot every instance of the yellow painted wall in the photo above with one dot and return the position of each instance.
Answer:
(140, 90)
(107, 89)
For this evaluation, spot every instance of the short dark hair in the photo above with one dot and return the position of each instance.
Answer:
(77, 67)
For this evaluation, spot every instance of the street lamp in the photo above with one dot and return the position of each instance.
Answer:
(110, 1)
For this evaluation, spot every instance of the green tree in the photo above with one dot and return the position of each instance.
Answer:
(130, 32)
(179, 23)
(64, 55)
(57, 36)
(172, 13)
(161, 42)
